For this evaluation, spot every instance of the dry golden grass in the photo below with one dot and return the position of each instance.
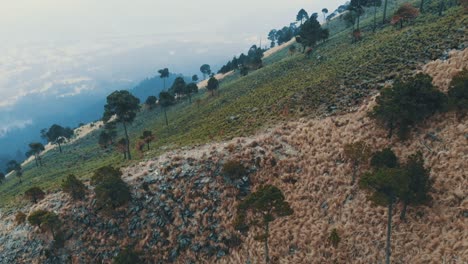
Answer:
(444, 70)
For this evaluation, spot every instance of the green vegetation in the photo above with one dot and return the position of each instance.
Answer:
(124, 106)
(35, 149)
(213, 85)
(418, 183)
(384, 184)
(357, 153)
(74, 187)
(127, 256)
(384, 158)
(260, 209)
(34, 194)
(164, 74)
(165, 100)
(458, 93)
(151, 102)
(389, 183)
(407, 103)
(285, 88)
(48, 221)
(111, 191)
(2, 177)
(334, 238)
(234, 169)
(147, 137)
(205, 69)
(57, 135)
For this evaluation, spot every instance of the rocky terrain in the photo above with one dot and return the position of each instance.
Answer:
(183, 206)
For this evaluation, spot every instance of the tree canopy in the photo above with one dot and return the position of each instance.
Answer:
(35, 148)
(151, 102)
(205, 69)
(58, 135)
(124, 106)
(310, 33)
(111, 191)
(213, 85)
(458, 92)
(259, 209)
(302, 16)
(166, 99)
(164, 74)
(407, 103)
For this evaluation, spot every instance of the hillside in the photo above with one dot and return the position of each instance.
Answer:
(287, 123)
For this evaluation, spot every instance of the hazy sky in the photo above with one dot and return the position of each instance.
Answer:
(61, 48)
(57, 20)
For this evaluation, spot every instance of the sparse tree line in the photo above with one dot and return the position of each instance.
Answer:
(405, 13)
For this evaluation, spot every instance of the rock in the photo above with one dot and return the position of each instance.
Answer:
(220, 254)
(205, 180)
(324, 206)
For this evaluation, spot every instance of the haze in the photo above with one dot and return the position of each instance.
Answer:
(55, 49)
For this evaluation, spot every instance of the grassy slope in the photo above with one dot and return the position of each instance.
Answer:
(292, 86)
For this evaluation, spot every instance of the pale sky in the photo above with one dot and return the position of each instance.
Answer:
(56, 49)
(57, 20)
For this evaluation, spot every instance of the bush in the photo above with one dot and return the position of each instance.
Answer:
(458, 92)
(36, 217)
(334, 237)
(46, 220)
(20, 217)
(234, 169)
(384, 158)
(111, 191)
(407, 103)
(34, 194)
(127, 256)
(74, 187)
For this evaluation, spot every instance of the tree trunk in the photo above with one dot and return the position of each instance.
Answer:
(165, 115)
(390, 132)
(267, 256)
(403, 211)
(358, 20)
(375, 16)
(35, 159)
(164, 81)
(129, 156)
(384, 11)
(147, 144)
(60, 147)
(190, 97)
(441, 7)
(354, 174)
(389, 231)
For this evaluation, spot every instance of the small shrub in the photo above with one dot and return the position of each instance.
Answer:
(334, 237)
(36, 217)
(234, 241)
(111, 191)
(384, 158)
(74, 187)
(127, 256)
(458, 93)
(34, 194)
(357, 153)
(233, 169)
(20, 217)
